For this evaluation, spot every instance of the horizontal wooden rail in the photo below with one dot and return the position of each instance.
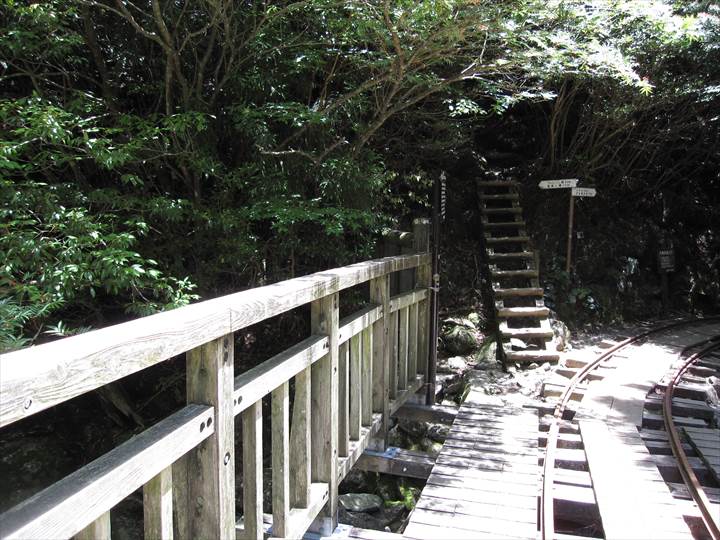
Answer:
(36, 378)
(257, 382)
(401, 301)
(75, 502)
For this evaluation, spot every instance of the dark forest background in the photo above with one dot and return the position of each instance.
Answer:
(155, 152)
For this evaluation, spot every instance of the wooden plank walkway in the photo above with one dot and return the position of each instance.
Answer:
(626, 484)
(485, 480)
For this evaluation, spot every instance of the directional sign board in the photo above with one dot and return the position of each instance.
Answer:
(557, 184)
(583, 192)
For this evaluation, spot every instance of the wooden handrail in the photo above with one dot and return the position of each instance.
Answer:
(344, 380)
(36, 378)
(76, 501)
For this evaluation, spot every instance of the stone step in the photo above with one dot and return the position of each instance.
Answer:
(497, 183)
(500, 196)
(503, 224)
(523, 312)
(504, 239)
(514, 273)
(532, 356)
(518, 291)
(518, 255)
(510, 210)
(543, 331)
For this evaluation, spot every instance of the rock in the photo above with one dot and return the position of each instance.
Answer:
(474, 318)
(518, 344)
(547, 366)
(361, 520)
(396, 437)
(561, 334)
(457, 363)
(486, 357)
(361, 502)
(438, 432)
(358, 481)
(460, 340)
(412, 428)
(387, 488)
(533, 365)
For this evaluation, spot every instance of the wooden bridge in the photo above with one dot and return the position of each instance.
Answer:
(346, 380)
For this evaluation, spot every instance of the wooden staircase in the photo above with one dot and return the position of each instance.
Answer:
(519, 306)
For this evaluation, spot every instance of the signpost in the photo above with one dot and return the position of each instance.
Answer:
(558, 184)
(569, 183)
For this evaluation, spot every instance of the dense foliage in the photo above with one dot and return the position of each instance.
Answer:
(153, 151)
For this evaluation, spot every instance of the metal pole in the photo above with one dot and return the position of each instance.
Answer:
(432, 356)
(571, 216)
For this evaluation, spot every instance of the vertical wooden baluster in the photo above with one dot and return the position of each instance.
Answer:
(423, 275)
(97, 530)
(252, 472)
(211, 466)
(158, 507)
(355, 388)
(393, 354)
(403, 349)
(300, 442)
(367, 376)
(180, 501)
(324, 391)
(281, 460)
(380, 294)
(412, 343)
(343, 401)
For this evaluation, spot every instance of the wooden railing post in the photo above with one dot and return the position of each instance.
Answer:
(324, 390)
(423, 278)
(380, 294)
(211, 466)
(158, 507)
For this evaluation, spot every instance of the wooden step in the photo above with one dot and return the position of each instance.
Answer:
(511, 210)
(532, 356)
(497, 183)
(518, 291)
(514, 273)
(503, 224)
(504, 239)
(543, 331)
(500, 197)
(523, 312)
(518, 255)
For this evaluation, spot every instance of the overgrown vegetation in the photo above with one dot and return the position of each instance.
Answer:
(152, 152)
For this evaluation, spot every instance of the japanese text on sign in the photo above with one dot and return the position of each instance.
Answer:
(557, 184)
(583, 192)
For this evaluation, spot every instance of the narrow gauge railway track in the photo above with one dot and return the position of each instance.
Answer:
(547, 509)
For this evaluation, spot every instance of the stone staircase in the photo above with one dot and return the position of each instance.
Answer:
(520, 310)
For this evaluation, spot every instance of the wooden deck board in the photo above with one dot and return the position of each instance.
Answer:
(638, 510)
(485, 481)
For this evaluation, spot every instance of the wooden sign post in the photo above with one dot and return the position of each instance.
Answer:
(575, 191)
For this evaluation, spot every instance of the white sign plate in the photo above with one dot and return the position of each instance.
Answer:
(557, 184)
(583, 192)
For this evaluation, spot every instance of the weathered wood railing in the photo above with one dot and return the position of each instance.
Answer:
(347, 378)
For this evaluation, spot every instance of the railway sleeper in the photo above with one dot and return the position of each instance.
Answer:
(682, 407)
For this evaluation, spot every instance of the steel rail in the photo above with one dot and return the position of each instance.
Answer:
(693, 485)
(547, 509)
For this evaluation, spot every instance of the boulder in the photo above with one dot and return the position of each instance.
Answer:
(460, 339)
(361, 502)
(457, 363)
(561, 334)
